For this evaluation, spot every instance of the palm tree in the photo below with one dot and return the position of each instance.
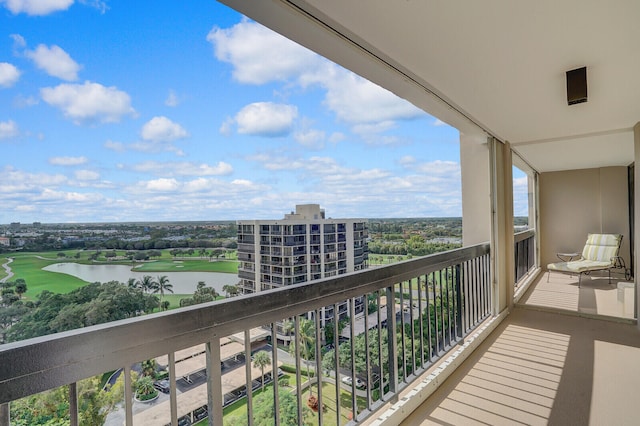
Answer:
(306, 338)
(288, 327)
(147, 283)
(133, 283)
(149, 367)
(144, 388)
(260, 360)
(163, 285)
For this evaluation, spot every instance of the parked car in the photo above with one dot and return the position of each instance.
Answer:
(200, 413)
(162, 385)
(184, 421)
(347, 380)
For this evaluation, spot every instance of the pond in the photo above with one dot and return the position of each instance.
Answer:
(182, 282)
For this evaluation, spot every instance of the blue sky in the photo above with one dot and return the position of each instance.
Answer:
(119, 111)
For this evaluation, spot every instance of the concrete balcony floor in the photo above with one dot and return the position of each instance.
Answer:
(595, 296)
(543, 368)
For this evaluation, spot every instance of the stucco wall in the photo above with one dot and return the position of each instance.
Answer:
(577, 202)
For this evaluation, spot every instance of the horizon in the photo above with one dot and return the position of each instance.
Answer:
(230, 120)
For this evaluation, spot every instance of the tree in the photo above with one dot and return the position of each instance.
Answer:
(306, 339)
(162, 285)
(164, 305)
(133, 284)
(230, 290)
(147, 284)
(52, 407)
(21, 287)
(145, 389)
(264, 411)
(149, 367)
(261, 360)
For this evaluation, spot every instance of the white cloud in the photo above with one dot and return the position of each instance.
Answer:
(9, 74)
(68, 196)
(359, 101)
(8, 129)
(161, 129)
(260, 55)
(337, 137)
(172, 99)
(18, 41)
(87, 175)
(310, 138)
(89, 102)
(54, 61)
(68, 161)
(24, 102)
(18, 183)
(154, 147)
(115, 146)
(226, 128)
(96, 4)
(407, 160)
(438, 122)
(36, 7)
(184, 168)
(266, 119)
(162, 184)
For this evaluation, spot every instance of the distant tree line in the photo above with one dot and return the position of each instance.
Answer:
(91, 304)
(415, 246)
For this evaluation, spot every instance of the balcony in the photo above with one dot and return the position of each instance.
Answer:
(57, 360)
(582, 367)
(543, 368)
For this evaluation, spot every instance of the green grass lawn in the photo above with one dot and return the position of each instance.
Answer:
(28, 266)
(174, 299)
(204, 265)
(238, 410)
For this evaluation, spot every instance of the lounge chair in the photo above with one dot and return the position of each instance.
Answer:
(600, 253)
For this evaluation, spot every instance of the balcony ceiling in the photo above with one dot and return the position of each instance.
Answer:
(500, 64)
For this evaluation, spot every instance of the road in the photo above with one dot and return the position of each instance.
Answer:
(7, 269)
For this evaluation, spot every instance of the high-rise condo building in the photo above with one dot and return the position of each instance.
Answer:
(303, 247)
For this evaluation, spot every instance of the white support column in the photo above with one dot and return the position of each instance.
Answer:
(502, 250)
(636, 216)
(476, 189)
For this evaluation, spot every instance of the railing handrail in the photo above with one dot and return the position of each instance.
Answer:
(521, 236)
(34, 365)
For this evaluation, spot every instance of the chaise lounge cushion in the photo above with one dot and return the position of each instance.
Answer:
(599, 252)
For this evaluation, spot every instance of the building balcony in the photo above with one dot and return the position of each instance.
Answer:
(436, 311)
(59, 359)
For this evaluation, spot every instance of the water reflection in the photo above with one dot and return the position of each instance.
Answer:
(183, 282)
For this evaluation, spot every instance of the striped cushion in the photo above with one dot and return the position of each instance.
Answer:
(578, 266)
(601, 247)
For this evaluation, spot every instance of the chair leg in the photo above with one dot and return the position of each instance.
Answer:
(579, 279)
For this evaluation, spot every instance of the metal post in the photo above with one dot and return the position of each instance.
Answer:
(5, 418)
(173, 390)
(392, 344)
(214, 382)
(128, 396)
(73, 404)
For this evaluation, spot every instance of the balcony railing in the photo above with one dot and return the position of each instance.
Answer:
(524, 251)
(414, 312)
